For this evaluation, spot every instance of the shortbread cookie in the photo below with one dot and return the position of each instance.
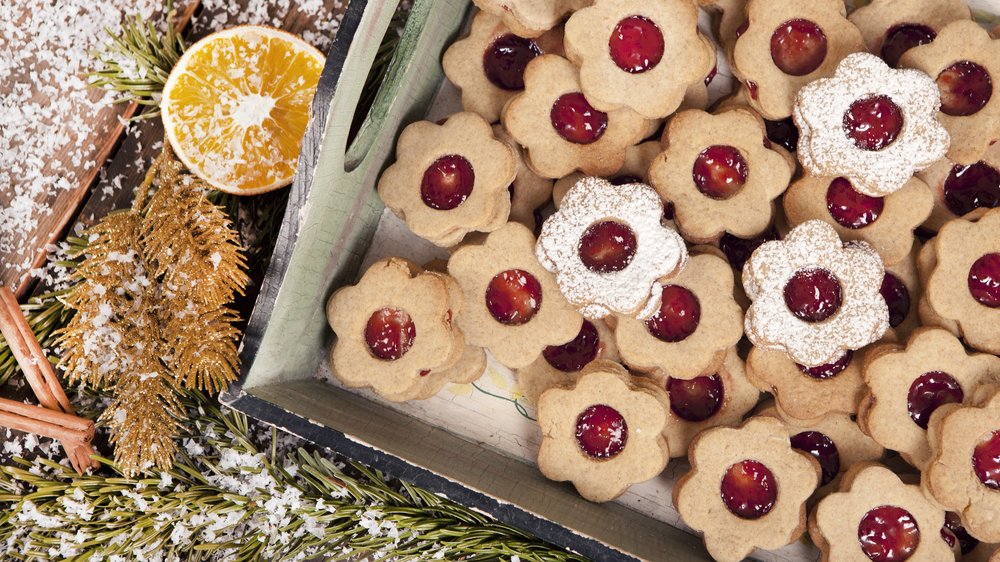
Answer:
(813, 296)
(608, 249)
(561, 365)
(876, 516)
(512, 305)
(528, 191)
(530, 18)
(965, 544)
(719, 174)
(559, 128)
(718, 399)
(697, 321)
(963, 191)
(488, 64)
(965, 62)
(747, 488)
(886, 223)
(395, 332)
(643, 57)
(926, 262)
(637, 161)
(892, 27)
(964, 285)
(871, 124)
(449, 180)
(778, 137)
(603, 434)
(731, 15)
(786, 44)
(901, 290)
(907, 384)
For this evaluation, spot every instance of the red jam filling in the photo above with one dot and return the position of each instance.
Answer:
(668, 210)
(984, 280)
(389, 333)
(447, 183)
(575, 355)
(626, 179)
(902, 38)
(798, 47)
(711, 75)
(897, 296)
(749, 489)
(677, 317)
(953, 523)
(607, 247)
(849, 208)
(752, 89)
(949, 538)
(513, 297)
(697, 399)
(829, 370)
(783, 132)
(968, 188)
(888, 534)
(576, 120)
(986, 461)
(739, 250)
(873, 123)
(823, 449)
(720, 171)
(929, 392)
(743, 28)
(636, 44)
(505, 60)
(601, 431)
(813, 295)
(965, 88)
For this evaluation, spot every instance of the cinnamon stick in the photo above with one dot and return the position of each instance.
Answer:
(71, 430)
(26, 349)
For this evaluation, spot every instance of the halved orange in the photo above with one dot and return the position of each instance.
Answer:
(236, 105)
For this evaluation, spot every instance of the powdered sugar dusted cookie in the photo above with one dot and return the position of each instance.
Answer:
(608, 249)
(561, 365)
(892, 27)
(637, 161)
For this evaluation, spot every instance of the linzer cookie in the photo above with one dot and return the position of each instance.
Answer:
(719, 174)
(608, 249)
(908, 384)
(488, 65)
(637, 161)
(964, 285)
(786, 44)
(561, 365)
(718, 399)
(697, 321)
(963, 191)
(530, 18)
(731, 15)
(886, 223)
(560, 129)
(603, 434)
(449, 180)
(901, 290)
(965, 62)
(926, 262)
(528, 191)
(871, 124)
(813, 296)
(875, 516)
(892, 27)
(807, 393)
(512, 305)
(732, 495)
(643, 57)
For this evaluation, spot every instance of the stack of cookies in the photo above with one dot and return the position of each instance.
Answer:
(828, 235)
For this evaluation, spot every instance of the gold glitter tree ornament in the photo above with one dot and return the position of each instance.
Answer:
(152, 311)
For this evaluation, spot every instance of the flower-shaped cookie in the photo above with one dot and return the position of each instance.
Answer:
(963, 474)
(561, 365)
(637, 161)
(901, 290)
(395, 332)
(871, 124)
(530, 18)
(808, 393)
(876, 516)
(449, 180)
(643, 57)
(718, 399)
(887, 223)
(697, 321)
(512, 305)
(907, 385)
(528, 191)
(786, 44)
(608, 249)
(561, 130)
(964, 285)
(731, 15)
(892, 27)
(747, 488)
(603, 434)
(965, 62)
(813, 296)
(488, 65)
(963, 191)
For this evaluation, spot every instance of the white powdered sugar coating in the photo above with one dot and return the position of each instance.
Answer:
(862, 318)
(634, 290)
(824, 147)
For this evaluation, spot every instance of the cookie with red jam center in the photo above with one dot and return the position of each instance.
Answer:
(561, 365)
(963, 191)
(893, 27)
